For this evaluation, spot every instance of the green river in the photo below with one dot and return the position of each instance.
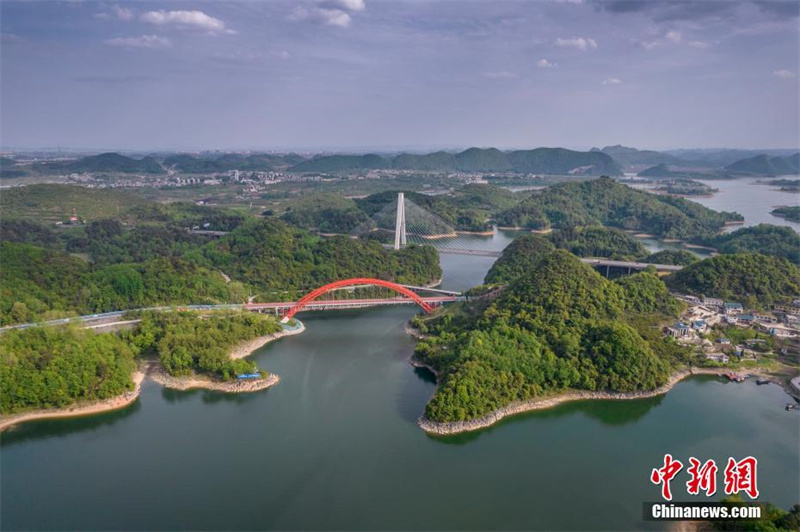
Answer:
(335, 446)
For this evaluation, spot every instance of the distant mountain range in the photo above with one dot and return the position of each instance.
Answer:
(610, 160)
(536, 161)
(632, 157)
(259, 162)
(110, 162)
(765, 165)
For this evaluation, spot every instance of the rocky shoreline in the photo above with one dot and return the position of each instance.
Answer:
(242, 350)
(540, 403)
(156, 372)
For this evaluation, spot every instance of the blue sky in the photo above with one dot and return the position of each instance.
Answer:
(358, 74)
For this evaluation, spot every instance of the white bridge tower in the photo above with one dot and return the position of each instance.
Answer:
(400, 223)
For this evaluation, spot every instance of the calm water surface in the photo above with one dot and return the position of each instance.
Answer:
(335, 446)
(751, 199)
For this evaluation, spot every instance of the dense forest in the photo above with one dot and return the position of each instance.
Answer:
(558, 325)
(678, 257)
(51, 367)
(186, 342)
(598, 241)
(790, 213)
(325, 212)
(161, 264)
(755, 280)
(44, 367)
(604, 201)
(766, 239)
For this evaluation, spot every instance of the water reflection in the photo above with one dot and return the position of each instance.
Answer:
(44, 429)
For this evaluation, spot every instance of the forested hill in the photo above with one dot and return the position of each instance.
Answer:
(767, 239)
(604, 201)
(559, 325)
(754, 279)
(150, 265)
(536, 161)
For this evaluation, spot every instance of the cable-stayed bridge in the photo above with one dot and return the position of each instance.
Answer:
(404, 222)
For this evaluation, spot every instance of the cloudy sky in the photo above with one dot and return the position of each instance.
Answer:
(355, 74)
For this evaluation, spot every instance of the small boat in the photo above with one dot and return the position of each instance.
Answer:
(763, 381)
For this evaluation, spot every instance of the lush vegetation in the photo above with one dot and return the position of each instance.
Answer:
(50, 367)
(186, 342)
(678, 257)
(54, 203)
(468, 208)
(763, 238)
(43, 284)
(44, 367)
(325, 212)
(281, 260)
(519, 257)
(538, 161)
(559, 325)
(754, 279)
(601, 242)
(606, 202)
(790, 213)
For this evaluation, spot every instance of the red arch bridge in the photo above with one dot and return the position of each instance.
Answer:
(405, 295)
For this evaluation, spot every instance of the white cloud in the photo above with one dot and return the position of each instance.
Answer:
(544, 63)
(784, 73)
(674, 36)
(329, 12)
(184, 19)
(323, 15)
(281, 54)
(579, 43)
(611, 81)
(503, 74)
(144, 41)
(346, 5)
(702, 45)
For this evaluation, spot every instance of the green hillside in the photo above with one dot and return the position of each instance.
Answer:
(53, 203)
(766, 239)
(754, 279)
(560, 325)
(604, 201)
(324, 211)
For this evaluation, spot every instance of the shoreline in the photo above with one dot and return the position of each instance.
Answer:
(84, 409)
(241, 350)
(541, 403)
(156, 372)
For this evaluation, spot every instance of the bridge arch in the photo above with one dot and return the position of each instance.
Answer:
(359, 281)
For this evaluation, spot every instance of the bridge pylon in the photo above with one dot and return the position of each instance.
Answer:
(400, 223)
